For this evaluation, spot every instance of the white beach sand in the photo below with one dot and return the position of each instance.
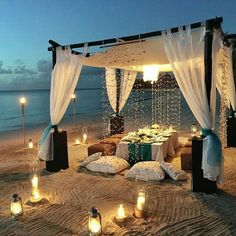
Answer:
(173, 209)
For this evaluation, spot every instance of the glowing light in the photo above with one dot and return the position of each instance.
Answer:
(121, 214)
(140, 204)
(85, 138)
(77, 142)
(16, 206)
(150, 73)
(73, 96)
(22, 100)
(31, 144)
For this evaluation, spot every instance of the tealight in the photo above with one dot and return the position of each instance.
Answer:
(121, 214)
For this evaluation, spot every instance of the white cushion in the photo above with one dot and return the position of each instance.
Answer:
(91, 158)
(146, 170)
(108, 164)
(173, 172)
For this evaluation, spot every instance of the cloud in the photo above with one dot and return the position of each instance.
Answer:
(21, 68)
(44, 66)
(4, 71)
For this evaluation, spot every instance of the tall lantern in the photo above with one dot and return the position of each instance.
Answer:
(16, 207)
(22, 101)
(95, 222)
(34, 179)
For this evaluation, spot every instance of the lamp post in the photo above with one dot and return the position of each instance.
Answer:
(22, 103)
(73, 99)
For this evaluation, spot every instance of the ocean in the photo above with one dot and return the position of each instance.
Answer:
(89, 104)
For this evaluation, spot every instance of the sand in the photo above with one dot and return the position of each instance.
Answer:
(173, 209)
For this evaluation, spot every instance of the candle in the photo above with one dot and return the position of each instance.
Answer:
(141, 199)
(121, 215)
(35, 195)
(77, 142)
(84, 138)
(35, 181)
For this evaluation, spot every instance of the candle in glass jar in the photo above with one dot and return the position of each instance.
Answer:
(121, 215)
(35, 181)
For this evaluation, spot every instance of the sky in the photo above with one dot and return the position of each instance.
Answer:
(27, 25)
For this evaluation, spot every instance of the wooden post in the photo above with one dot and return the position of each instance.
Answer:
(210, 25)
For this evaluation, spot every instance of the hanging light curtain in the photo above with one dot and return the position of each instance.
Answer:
(229, 86)
(126, 85)
(65, 75)
(186, 56)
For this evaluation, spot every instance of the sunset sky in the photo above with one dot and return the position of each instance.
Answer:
(27, 25)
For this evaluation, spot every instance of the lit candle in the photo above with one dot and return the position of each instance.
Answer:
(73, 96)
(77, 142)
(31, 144)
(35, 181)
(35, 196)
(121, 215)
(84, 138)
(140, 204)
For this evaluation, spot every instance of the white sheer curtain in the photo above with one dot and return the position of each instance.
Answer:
(65, 75)
(186, 56)
(126, 85)
(229, 86)
(111, 86)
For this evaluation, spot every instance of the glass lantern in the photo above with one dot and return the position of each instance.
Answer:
(141, 193)
(16, 207)
(95, 222)
(34, 179)
(84, 135)
(30, 144)
(121, 214)
(193, 130)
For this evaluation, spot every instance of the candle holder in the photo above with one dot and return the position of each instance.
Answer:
(30, 144)
(34, 179)
(142, 196)
(16, 207)
(121, 214)
(22, 101)
(84, 135)
(94, 223)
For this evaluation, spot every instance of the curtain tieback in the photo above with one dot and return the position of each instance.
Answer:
(213, 149)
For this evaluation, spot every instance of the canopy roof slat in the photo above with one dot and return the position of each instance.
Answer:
(132, 37)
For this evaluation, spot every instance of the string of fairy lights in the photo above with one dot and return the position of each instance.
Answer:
(223, 102)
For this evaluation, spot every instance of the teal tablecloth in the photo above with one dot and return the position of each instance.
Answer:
(139, 152)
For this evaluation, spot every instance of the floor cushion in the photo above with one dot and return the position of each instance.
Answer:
(91, 158)
(108, 164)
(146, 170)
(174, 173)
(106, 149)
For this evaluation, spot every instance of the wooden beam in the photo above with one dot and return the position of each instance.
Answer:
(132, 37)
